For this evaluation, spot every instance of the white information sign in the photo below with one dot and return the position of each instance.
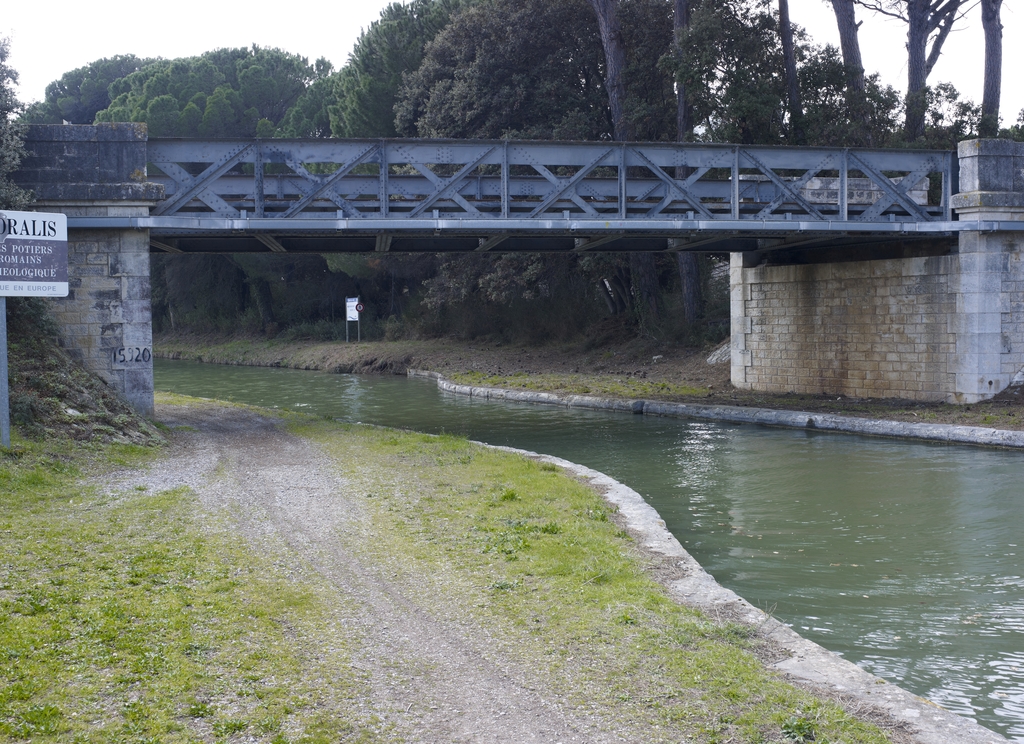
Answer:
(352, 308)
(33, 254)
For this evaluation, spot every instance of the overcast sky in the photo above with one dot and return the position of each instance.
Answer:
(52, 38)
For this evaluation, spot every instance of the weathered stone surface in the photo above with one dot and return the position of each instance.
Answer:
(936, 328)
(99, 163)
(740, 415)
(861, 329)
(101, 171)
(994, 165)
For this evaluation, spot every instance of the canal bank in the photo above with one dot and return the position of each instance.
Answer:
(636, 370)
(951, 433)
(802, 659)
(482, 596)
(798, 658)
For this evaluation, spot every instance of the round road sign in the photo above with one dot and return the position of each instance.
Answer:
(359, 307)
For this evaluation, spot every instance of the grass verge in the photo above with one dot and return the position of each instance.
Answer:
(605, 386)
(125, 617)
(535, 559)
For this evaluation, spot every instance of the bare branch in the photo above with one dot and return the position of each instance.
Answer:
(944, 26)
(876, 5)
(940, 14)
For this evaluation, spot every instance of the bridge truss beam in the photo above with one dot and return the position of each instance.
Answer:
(471, 195)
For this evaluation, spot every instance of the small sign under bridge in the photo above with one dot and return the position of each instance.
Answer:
(353, 310)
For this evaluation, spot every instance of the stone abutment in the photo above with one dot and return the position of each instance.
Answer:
(941, 327)
(105, 320)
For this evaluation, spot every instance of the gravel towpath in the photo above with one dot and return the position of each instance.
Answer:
(430, 680)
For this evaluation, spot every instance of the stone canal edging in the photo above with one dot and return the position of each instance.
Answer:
(740, 415)
(805, 660)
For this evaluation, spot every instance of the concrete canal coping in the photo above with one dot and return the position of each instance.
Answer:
(949, 433)
(804, 660)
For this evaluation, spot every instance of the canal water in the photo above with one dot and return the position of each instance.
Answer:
(905, 558)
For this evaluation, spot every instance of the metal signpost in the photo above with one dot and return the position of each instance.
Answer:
(33, 263)
(353, 307)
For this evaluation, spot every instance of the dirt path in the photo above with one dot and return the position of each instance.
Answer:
(430, 679)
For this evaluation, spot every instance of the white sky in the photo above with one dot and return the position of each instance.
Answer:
(50, 39)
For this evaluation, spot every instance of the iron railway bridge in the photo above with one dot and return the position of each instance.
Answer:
(472, 195)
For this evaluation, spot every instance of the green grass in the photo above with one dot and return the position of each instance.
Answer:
(537, 559)
(575, 384)
(124, 619)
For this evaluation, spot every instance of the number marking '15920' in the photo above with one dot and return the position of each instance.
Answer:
(131, 354)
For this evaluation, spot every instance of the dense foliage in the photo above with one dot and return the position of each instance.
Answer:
(367, 87)
(534, 69)
(522, 70)
(80, 94)
(12, 149)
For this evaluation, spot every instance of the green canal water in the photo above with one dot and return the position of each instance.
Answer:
(905, 558)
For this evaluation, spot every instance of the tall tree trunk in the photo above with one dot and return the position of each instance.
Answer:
(688, 263)
(796, 111)
(849, 43)
(264, 301)
(643, 273)
(644, 276)
(990, 21)
(917, 75)
(925, 19)
(689, 281)
(680, 23)
(614, 64)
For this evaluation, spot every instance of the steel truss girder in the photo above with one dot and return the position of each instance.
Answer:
(373, 195)
(322, 185)
(301, 182)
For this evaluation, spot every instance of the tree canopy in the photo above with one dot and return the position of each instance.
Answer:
(12, 149)
(393, 46)
(78, 95)
(223, 93)
(518, 69)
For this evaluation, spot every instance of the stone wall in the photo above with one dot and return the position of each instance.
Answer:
(105, 319)
(863, 329)
(944, 328)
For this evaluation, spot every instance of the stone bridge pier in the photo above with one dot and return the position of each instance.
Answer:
(937, 324)
(105, 319)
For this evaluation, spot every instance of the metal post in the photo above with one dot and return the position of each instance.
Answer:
(259, 197)
(5, 401)
(735, 193)
(622, 182)
(382, 184)
(844, 185)
(506, 196)
(950, 181)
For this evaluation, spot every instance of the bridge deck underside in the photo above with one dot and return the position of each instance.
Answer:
(537, 243)
(429, 195)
